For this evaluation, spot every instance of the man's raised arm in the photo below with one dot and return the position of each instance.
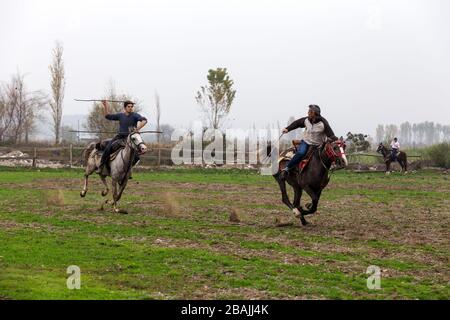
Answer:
(105, 107)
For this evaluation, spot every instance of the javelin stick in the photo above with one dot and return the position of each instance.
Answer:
(97, 100)
(113, 132)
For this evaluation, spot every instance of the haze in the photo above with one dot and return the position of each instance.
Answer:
(363, 62)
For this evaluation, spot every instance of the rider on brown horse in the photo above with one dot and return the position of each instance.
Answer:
(316, 131)
(395, 148)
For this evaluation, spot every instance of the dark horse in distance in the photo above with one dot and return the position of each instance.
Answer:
(387, 155)
(313, 178)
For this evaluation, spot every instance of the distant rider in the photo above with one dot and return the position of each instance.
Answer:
(395, 149)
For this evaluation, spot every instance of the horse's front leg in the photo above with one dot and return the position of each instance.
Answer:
(117, 194)
(297, 197)
(284, 195)
(285, 198)
(388, 167)
(106, 190)
(114, 194)
(315, 196)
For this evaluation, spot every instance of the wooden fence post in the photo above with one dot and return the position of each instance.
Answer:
(71, 155)
(34, 157)
(159, 155)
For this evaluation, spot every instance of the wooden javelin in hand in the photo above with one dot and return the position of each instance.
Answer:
(99, 100)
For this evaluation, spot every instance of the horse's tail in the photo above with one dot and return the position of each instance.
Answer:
(87, 152)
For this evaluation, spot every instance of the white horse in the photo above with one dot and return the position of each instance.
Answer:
(120, 166)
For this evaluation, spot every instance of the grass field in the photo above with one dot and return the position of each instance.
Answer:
(177, 241)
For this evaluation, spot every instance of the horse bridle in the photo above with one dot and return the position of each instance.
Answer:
(134, 144)
(331, 154)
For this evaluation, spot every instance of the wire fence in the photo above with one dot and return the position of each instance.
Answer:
(72, 156)
(157, 155)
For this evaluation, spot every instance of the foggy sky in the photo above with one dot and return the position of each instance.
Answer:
(363, 62)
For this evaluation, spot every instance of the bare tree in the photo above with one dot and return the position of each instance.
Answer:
(58, 84)
(8, 104)
(24, 107)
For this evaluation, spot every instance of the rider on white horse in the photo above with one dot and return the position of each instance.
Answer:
(128, 120)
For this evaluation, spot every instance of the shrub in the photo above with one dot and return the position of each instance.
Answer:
(440, 154)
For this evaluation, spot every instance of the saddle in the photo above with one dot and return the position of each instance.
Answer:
(115, 148)
(288, 154)
(393, 155)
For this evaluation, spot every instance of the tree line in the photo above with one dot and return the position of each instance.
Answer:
(414, 135)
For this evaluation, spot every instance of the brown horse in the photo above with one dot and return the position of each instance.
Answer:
(313, 178)
(387, 155)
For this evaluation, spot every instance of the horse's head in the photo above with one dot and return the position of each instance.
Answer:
(136, 142)
(336, 153)
(380, 148)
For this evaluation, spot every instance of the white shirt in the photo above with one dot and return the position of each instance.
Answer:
(395, 145)
(314, 134)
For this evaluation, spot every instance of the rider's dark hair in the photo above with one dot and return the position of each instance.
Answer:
(127, 103)
(315, 108)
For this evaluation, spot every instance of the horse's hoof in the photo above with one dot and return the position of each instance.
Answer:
(82, 194)
(123, 211)
(104, 193)
(303, 221)
(297, 213)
